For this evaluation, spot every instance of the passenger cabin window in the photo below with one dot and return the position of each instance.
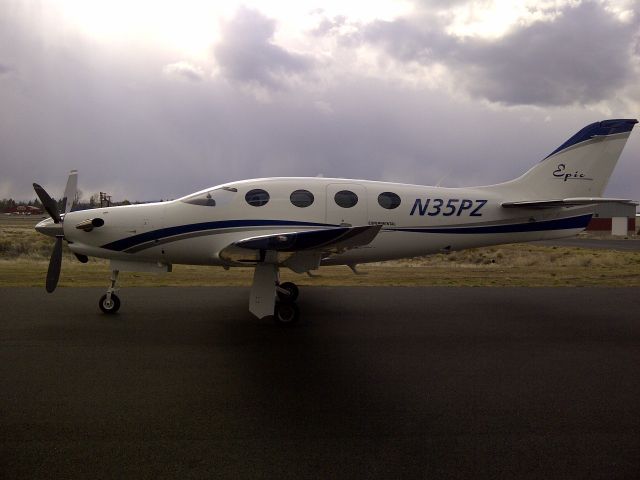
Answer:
(389, 200)
(346, 198)
(213, 198)
(301, 198)
(257, 197)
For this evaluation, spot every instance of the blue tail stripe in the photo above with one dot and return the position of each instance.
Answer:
(605, 127)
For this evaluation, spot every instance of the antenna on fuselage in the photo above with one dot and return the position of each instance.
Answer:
(442, 179)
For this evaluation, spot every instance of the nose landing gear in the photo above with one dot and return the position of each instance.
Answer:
(110, 303)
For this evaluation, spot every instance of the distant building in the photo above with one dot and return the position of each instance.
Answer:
(24, 210)
(617, 219)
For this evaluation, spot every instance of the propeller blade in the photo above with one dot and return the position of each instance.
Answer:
(53, 273)
(70, 191)
(49, 203)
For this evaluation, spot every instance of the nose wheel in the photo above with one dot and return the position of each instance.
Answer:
(110, 303)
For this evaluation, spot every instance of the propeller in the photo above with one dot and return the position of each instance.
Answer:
(49, 203)
(53, 272)
(57, 231)
(70, 191)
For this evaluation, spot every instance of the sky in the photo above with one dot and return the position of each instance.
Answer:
(157, 99)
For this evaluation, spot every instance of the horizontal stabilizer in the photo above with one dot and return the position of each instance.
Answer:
(567, 202)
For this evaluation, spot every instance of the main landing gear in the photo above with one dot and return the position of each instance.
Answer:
(286, 312)
(270, 298)
(110, 303)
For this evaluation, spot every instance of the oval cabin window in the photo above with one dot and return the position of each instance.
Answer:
(257, 197)
(346, 198)
(389, 200)
(301, 198)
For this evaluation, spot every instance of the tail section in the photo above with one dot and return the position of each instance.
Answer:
(580, 167)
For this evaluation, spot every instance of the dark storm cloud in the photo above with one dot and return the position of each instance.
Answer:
(583, 56)
(247, 53)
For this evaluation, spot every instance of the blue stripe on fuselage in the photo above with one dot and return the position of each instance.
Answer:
(559, 224)
(162, 233)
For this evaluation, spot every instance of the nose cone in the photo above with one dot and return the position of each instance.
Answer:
(49, 228)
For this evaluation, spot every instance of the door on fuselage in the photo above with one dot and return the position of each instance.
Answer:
(347, 204)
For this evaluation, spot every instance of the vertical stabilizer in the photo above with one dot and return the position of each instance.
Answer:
(580, 167)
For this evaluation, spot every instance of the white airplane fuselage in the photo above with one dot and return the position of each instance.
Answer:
(427, 220)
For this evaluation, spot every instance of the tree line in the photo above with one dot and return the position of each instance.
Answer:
(9, 204)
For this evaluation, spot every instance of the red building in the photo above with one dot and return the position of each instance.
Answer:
(611, 218)
(24, 210)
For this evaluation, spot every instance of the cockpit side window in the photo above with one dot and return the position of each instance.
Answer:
(213, 198)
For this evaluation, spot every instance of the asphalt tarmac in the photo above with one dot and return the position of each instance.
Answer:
(373, 383)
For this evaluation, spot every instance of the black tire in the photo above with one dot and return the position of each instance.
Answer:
(292, 290)
(286, 313)
(109, 307)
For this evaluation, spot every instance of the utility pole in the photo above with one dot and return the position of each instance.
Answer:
(105, 200)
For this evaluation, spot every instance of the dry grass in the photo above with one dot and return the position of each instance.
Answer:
(21, 240)
(526, 255)
(24, 259)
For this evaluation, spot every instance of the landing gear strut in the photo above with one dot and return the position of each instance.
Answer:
(110, 303)
(287, 292)
(270, 298)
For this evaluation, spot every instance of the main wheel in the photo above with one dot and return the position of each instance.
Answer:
(109, 306)
(286, 313)
(291, 294)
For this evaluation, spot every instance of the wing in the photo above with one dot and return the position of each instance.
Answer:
(300, 251)
(567, 202)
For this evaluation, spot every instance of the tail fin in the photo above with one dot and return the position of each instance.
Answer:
(580, 167)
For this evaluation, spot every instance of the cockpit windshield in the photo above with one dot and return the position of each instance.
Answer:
(216, 197)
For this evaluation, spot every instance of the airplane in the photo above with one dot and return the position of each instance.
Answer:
(305, 223)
